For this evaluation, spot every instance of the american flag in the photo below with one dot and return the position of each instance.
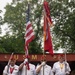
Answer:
(29, 35)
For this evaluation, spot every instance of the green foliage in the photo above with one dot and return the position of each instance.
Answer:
(15, 17)
(63, 16)
(12, 44)
(1, 21)
(64, 25)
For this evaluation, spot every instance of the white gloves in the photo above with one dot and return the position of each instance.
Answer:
(67, 72)
(43, 63)
(25, 61)
(66, 63)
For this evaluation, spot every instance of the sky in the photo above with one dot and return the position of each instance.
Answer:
(2, 5)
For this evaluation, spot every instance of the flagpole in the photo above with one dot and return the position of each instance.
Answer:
(29, 35)
(65, 59)
(65, 56)
(9, 62)
(44, 37)
(27, 53)
(46, 30)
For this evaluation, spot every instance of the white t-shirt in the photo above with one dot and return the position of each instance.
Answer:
(45, 69)
(14, 72)
(31, 71)
(59, 68)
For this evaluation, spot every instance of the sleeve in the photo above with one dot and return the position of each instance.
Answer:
(17, 68)
(68, 69)
(53, 69)
(51, 72)
(37, 66)
(36, 69)
(5, 70)
(34, 72)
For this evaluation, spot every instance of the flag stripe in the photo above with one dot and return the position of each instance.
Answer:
(29, 36)
(28, 25)
(29, 30)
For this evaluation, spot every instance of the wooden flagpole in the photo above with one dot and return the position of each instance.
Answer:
(9, 63)
(27, 52)
(65, 59)
(44, 37)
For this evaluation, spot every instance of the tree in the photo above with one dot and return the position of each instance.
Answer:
(1, 21)
(15, 17)
(62, 13)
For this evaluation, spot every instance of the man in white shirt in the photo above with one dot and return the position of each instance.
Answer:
(11, 68)
(27, 68)
(43, 68)
(61, 67)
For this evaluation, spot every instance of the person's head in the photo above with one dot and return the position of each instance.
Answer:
(61, 58)
(43, 58)
(12, 61)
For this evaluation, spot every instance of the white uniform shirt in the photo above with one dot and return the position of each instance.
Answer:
(15, 70)
(47, 70)
(31, 71)
(59, 68)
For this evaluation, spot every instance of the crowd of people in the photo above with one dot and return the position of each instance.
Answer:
(61, 67)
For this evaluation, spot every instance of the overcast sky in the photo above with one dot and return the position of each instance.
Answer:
(2, 5)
